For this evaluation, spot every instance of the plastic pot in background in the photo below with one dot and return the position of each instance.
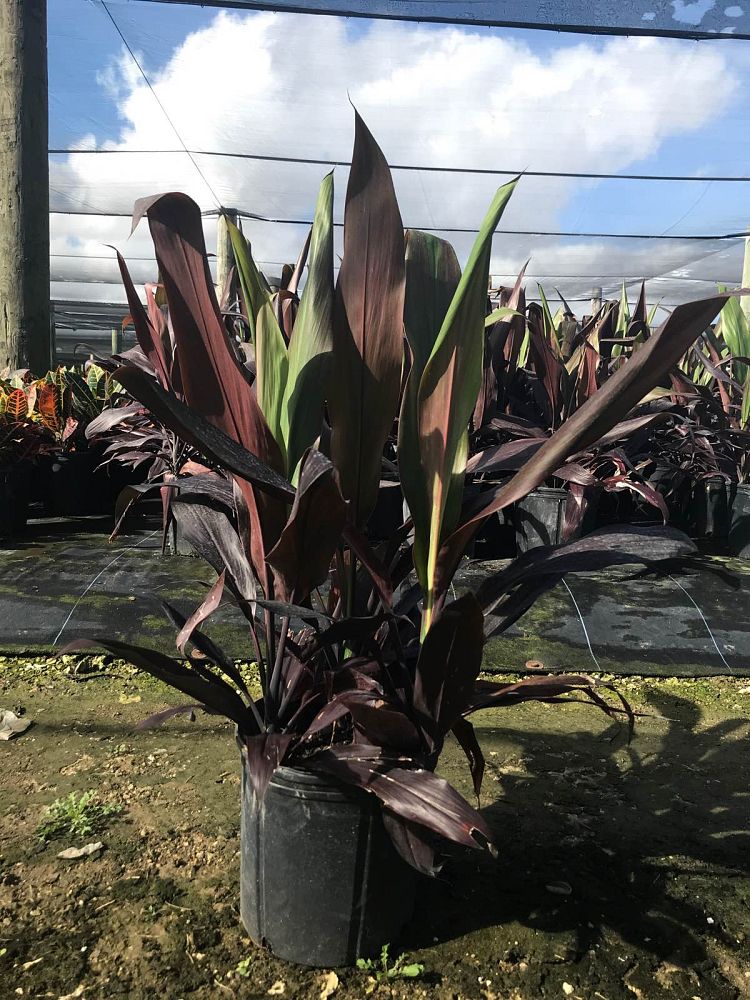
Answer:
(15, 484)
(321, 883)
(739, 527)
(496, 538)
(388, 515)
(177, 544)
(74, 487)
(540, 518)
(711, 509)
(72, 484)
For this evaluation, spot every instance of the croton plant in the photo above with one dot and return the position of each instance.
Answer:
(366, 662)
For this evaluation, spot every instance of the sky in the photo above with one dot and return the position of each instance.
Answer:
(281, 85)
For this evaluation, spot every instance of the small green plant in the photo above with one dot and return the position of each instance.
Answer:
(243, 968)
(76, 815)
(382, 969)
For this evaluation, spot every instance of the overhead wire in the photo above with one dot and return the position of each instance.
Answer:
(479, 171)
(705, 237)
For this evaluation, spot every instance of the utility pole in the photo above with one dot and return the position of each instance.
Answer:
(25, 327)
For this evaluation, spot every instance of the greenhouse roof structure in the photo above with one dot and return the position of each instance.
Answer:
(631, 136)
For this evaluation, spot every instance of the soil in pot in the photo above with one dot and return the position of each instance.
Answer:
(15, 485)
(321, 883)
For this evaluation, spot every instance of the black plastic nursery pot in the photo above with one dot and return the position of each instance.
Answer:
(72, 486)
(15, 481)
(177, 543)
(540, 518)
(496, 539)
(321, 883)
(710, 510)
(739, 526)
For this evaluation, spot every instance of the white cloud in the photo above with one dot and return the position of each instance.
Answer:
(272, 84)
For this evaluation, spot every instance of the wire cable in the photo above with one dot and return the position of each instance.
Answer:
(480, 171)
(498, 274)
(705, 237)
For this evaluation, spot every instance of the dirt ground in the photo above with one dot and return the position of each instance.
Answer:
(623, 870)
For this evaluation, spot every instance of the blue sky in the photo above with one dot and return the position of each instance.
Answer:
(85, 52)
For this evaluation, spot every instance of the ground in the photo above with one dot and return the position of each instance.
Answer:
(623, 868)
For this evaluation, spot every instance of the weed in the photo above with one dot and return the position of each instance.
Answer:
(382, 969)
(77, 815)
(243, 968)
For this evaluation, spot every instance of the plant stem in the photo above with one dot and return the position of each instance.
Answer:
(276, 675)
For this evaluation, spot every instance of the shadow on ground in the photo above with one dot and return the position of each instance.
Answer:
(604, 843)
(623, 869)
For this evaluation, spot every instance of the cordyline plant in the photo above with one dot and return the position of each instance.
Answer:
(130, 435)
(365, 664)
(521, 405)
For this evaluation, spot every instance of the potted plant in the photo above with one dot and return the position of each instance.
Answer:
(131, 438)
(365, 664)
(22, 441)
(541, 370)
(60, 404)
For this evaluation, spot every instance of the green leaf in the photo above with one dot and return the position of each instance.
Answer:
(549, 322)
(447, 395)
(736, 334)
(311, 342)
(745, 410)
(272, 366)
(252, 282)
(497, 314)
(411, 971)
(271, 360)
(432, 277)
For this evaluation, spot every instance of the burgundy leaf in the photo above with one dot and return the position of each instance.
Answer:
(413, 794)
(463, 730)
(207, 607)
(412, 842)
(449, 662)
(214, 695)
(265, 753)
(301, 558)
(368, 328)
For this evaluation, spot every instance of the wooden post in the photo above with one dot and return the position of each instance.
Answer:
(224, 252)
(25, 321)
